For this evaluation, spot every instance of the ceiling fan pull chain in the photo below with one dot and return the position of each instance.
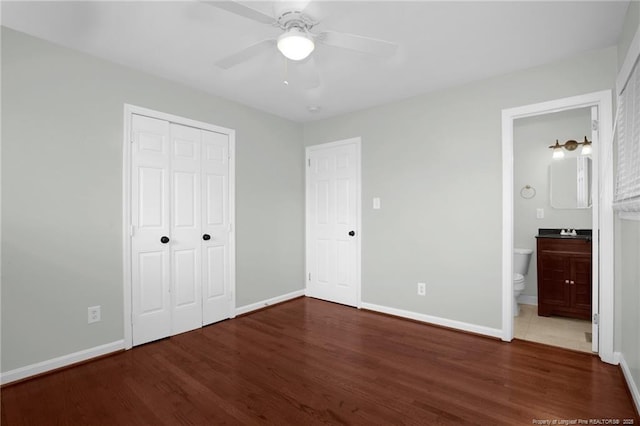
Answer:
(285, 81)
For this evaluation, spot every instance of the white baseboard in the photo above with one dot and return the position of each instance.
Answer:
(458, 325)
(630, 382)
(528, 300)
(615, 359)
(61, 361)
(264, 303)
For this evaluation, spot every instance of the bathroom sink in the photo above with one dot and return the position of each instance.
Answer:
(581, 234)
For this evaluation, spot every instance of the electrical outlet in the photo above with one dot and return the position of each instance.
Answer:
(94, 314)
(422, 289)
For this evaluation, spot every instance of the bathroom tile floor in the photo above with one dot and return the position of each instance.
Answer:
(556, 331)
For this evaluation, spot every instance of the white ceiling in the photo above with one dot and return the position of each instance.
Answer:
(441, 44)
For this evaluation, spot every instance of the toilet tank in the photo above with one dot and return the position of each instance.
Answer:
(521, 259)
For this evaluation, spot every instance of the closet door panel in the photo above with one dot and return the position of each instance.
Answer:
(215, 193)
(186, 256)
(150, 212)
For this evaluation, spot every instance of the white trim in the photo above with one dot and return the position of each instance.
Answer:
(59, 362)
(232, 221)
(457, 325)
(508, 310)
(633, 388)
(126, 205)
(268, 302)
(603, 212)
(358, 143)
(617, 356)
(528, 300)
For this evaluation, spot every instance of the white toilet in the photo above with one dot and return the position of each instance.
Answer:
(521, 260)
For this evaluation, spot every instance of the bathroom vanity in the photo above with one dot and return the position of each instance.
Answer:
(564, 273)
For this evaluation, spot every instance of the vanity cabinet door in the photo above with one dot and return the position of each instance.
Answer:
(564, 277)
(581, 285)
(553, 291)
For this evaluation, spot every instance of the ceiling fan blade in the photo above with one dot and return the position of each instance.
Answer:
(242, 10)
(358, 43)
(245, 54)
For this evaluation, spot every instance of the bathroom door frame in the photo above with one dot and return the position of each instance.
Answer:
(602, 222)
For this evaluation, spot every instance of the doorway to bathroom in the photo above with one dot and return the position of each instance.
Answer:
(532, 206)
(552, 194)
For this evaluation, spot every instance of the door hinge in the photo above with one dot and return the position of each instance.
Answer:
(596, 319)
(309, 162)
(131, 230)
(309, 276)
(230, 227)
(595, 125)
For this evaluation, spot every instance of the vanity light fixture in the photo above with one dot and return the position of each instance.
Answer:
(571, 145)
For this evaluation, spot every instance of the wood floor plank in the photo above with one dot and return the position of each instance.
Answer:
(309, 362)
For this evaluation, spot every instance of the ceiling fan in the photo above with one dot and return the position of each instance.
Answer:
(297, 41)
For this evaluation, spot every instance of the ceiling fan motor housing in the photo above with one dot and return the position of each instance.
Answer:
(295, 19)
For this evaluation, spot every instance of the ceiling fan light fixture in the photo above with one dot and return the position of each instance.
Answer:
(295, 44)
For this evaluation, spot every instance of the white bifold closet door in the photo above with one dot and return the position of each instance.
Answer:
(180, 219)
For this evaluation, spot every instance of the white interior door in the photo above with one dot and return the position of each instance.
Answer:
(333, 222)
(185, 245)
(150, 274)
(181, 243)
(216, 227)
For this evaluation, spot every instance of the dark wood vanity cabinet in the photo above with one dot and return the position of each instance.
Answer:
(564, 277)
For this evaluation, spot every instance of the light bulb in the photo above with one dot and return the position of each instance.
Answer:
(558, 153)
(557, 150)
(586, 149)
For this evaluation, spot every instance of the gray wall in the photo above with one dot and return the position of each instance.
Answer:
(628, 278)
(435, 162)
(629, 28)
(627, 249)
(531, 161)
(62, 121)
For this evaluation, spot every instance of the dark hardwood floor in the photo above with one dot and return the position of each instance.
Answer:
(312, 362)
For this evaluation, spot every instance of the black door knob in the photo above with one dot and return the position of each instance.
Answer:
(206, 237)
(352, 233)
(164, 240)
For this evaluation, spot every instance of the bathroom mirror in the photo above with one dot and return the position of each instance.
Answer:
(570, 183)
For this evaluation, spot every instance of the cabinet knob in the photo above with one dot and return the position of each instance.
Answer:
(164, 240)
(566, 281)
(573, 282)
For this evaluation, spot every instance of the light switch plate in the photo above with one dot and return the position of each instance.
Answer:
(376, 203)
(540, 213)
